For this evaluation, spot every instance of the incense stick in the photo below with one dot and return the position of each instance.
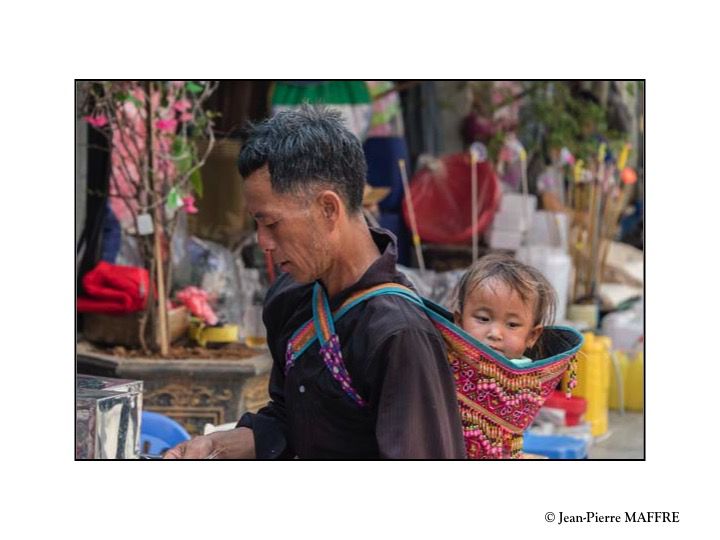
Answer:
(595, 222)
(619, 202)
(526, 210)
(474, 205)
(411, 212)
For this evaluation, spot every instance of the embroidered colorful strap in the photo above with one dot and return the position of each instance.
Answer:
(321, 328)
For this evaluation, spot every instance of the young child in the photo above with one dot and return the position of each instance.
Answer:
(505, 305)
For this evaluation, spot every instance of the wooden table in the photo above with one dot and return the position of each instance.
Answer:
(192, 391)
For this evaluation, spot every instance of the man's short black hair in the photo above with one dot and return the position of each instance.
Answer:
(303, 146)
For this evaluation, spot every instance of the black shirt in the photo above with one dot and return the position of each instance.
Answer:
(398, 364)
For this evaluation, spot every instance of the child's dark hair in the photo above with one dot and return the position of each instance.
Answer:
(527, 281)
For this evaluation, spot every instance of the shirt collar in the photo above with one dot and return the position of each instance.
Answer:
(382, 270)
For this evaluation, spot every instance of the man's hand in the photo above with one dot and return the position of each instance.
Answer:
(236, 443)
(196, 448)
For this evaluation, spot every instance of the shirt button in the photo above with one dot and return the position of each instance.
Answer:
(302, 389)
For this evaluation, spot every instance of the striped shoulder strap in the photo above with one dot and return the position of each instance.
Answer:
(321, 328)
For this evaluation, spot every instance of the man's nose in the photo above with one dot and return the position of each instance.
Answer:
(264, 239)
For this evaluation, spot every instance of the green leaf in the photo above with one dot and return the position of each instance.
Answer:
(196, 181)
(193, 87)
(127, 96)
(173, 200)
(179, 145)
(182, 154)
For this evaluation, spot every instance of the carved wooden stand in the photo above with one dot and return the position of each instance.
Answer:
(192, 391)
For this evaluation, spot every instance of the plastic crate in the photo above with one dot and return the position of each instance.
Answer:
(555, 446)
(573, 406)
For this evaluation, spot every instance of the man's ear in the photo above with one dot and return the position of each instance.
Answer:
(330, 205)
(533, 336)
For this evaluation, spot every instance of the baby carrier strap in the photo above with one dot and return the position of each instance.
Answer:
(321, 328)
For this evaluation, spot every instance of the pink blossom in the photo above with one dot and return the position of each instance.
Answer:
(186, 117)
(196, 300)
(566, 157)
(97, 121)
(166, 125)
(182, 105)
(189, 204)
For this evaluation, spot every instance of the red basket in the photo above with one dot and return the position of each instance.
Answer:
(442, 198)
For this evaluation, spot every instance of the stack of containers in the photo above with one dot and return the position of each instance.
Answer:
(546, 250)
(627, 393)
(634, 385)
(549, 229)
(556, 266)
(511, 221)
(593, 380)
(626, 329)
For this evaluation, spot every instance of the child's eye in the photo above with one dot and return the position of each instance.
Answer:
(482, 318)
(514, 325)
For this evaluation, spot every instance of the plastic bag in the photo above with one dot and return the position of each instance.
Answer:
(180, 258)
(212, 268)
(436, 286)
(626, 328)
(254, 284)
(252, 294)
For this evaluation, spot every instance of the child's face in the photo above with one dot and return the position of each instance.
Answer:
(495, 315)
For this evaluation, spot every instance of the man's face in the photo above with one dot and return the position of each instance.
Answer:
(289, 227)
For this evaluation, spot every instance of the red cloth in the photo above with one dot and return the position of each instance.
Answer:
(114, 289)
